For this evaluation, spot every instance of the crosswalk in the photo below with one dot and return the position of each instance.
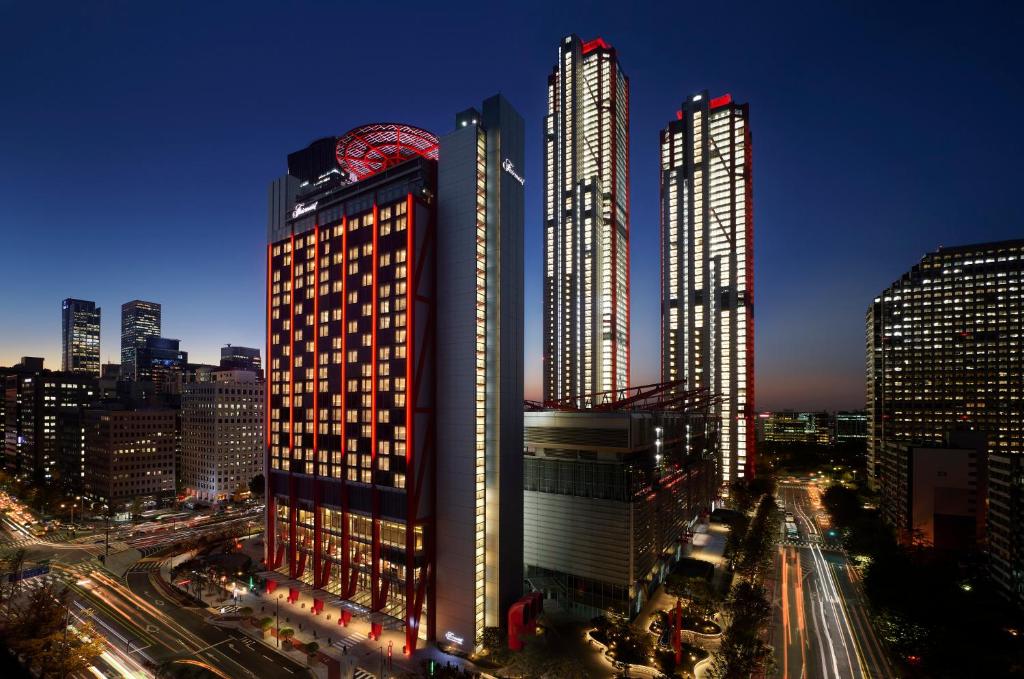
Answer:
(352, 640)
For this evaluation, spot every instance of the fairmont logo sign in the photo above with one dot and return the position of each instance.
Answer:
(454, 638)
(302, 208)
(510, 167)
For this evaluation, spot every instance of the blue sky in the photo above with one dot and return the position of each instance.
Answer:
(137, 141)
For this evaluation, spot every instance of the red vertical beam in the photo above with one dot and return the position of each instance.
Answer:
(291, 414)
(317, 483)
(270, 510)
(345, 559)
(375, 529)
(411, 615)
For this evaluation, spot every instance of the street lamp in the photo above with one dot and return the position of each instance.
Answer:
(278, 614)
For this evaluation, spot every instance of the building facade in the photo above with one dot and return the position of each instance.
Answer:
(162, 362)
(586, 222)
(944, 345)
(222, 435)
(139, 320)
(787, 426)
(129, 456)
(80, 336)
(241, 358)
(35, 402)
(611, 499)
(387, 266)
(707, 265)
(850, 425)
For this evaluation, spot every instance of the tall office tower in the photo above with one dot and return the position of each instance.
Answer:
(241, 358)
(873, 381)
(395, 319)
(707, 266)
(80, 336)
(948, 360)
(139, 320)
(222, 435)
(586, 222)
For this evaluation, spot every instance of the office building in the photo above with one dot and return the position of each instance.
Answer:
(129, 456)
(787, 426)
(139, 320)
(707, 265)
(35, 400)
(161, 361)
(944, 347)
(222, 435)
(241, 358)
(586, 222)
(611, 499)
(80, 336)
(850, 426)
(395, 319)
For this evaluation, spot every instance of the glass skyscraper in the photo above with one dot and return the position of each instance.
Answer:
(139, 320)
(80, 336)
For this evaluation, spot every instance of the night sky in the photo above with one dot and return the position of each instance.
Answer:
(137, 141)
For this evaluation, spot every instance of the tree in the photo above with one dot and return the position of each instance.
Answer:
(842, 504)
(286, 634)
(311, 649)
(245, 611)
(136, 508)
(257, 485)
(742, 651)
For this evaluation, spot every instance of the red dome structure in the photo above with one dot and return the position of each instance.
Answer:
(369, 149)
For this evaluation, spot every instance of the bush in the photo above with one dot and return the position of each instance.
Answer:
(265, 623)
(312, 647)
(286, 633)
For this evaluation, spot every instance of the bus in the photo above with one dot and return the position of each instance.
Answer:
(791, 531)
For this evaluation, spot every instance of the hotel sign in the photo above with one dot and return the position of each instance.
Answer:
(302, 208)
(510, 167)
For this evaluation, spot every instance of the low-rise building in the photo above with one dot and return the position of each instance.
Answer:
(129, 454)
(610, 499)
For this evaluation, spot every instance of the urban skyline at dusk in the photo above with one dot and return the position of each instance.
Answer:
(853, 114)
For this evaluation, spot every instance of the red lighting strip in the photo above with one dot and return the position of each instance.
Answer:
(345, 559)
(376, 593)
(594, 44)
(720, 101)
(412, 621)
(317, 487)
(271, 518)
(291, 355)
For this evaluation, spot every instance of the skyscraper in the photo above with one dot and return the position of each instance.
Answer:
(139, 320)
(395, 319)
(80, 336)
(944, 349)
(586, 222)
(707, 265)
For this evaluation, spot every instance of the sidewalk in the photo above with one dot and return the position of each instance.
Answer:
(336, 640)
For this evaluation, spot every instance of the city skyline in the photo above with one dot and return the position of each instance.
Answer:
(807, 157)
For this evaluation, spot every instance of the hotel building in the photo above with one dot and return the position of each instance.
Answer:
(944, 350)
(80, 336)
(707, 266)
(395, 374)
(586, 222)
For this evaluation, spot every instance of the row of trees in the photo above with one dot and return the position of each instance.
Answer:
(743, 650)
(41, 630)
(935, 609)
(751, 541)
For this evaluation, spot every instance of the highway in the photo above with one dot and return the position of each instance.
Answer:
(821, 626)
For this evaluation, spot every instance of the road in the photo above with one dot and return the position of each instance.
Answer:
(821, 623)
(144, 626)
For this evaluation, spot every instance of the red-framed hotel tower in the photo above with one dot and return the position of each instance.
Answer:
(350, 424)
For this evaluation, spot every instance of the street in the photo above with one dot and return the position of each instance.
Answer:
(821, 626)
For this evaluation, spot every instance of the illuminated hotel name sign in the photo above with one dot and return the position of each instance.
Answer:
(452, 636)
(510, 167)
(302, 208)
